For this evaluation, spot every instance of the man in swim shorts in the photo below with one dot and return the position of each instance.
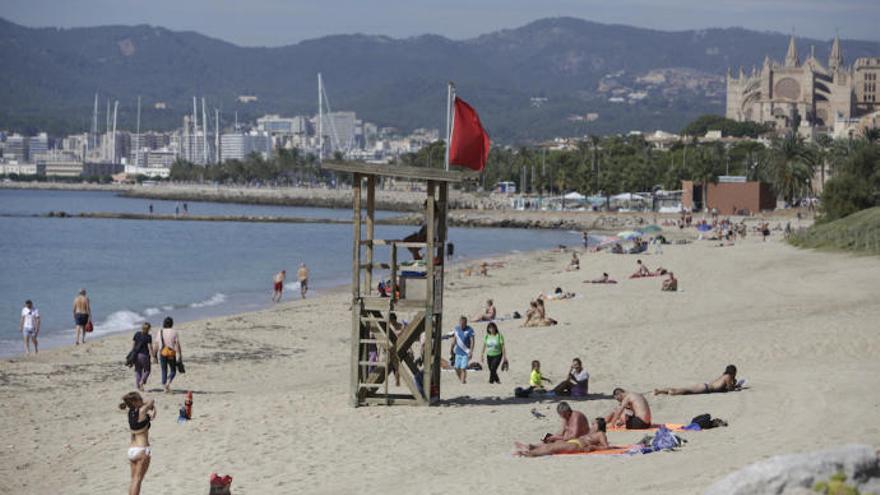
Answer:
(463, 349)
(82, 313)
(632, 412)
(278, 286)
(303, 276)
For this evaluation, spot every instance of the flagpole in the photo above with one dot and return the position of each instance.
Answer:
(450, 115)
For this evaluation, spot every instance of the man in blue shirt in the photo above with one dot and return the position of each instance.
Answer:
(464, 348)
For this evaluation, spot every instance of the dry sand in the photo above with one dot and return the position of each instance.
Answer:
(271, 405)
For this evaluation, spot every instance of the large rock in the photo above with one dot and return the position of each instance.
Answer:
(797, 473)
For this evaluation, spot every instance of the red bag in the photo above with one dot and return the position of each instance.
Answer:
(89, 327)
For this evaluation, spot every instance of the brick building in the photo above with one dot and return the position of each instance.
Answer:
(729, 195)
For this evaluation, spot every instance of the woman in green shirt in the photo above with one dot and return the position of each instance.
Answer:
(495, 350)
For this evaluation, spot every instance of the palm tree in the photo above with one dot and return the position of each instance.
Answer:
(871, 135)
(791, 167)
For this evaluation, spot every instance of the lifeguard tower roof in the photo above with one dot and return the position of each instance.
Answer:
(401, 171)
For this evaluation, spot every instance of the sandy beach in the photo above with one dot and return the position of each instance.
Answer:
(271, 406)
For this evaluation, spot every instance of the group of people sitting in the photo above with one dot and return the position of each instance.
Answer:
(631, 413)
(536, 315)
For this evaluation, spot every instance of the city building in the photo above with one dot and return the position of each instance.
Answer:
(731, 195)
(38, 144)
(808, 97)
(16, 148)
(239, 145)
(58, 163)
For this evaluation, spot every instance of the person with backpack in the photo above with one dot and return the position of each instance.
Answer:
(170, 353)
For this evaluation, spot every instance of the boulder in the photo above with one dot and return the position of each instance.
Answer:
(797, 473)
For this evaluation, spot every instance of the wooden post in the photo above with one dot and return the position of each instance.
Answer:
(371, 214)
(430, 332)
(438, 295)
(355, 292)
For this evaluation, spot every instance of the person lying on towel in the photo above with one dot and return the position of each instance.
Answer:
(592, 441)
(724, 383)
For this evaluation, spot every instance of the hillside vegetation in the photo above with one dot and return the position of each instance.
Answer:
(859, 232)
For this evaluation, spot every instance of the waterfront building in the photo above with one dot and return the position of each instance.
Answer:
(238, 145)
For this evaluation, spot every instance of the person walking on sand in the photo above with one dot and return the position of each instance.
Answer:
(82, 315)
(463, 348)
(303, 275)
(140, 413)
(278, 287)
(494, 350)
(632, 412)
(170, 352)
(143, 352)
(29, 326)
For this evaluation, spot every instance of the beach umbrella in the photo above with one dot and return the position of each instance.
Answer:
(650, 229)
(628, 235)
(704, 227)
(606, 240)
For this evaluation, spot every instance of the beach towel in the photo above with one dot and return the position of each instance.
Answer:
(612, 450)
(650, 275)
(654, 427)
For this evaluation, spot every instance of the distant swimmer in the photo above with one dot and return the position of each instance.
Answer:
(632, 412)
(670, 284)
(278, 287)
(82, 314)
(29, 326)
(724, 383)
(303, 276)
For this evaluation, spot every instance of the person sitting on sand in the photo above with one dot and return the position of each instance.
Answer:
(660, 271)
(595, 440)
(724, 383)
(577, 382)
(632, 412)
(574, 264)
(604, 279)
(488, 314)
(670, 284)
(574, 424)
(536, 379)
(536, 316)
(641, 270)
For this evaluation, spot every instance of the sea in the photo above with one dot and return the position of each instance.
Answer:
(136, 270)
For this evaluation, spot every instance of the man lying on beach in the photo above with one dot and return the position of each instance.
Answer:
(488, 314)
(632, 412)
(604, 279)
(724, 383)
(670, 284)
(592, 441)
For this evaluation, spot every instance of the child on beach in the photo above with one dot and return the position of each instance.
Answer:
(536, 382)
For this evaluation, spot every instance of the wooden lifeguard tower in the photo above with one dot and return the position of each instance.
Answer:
(414, 293)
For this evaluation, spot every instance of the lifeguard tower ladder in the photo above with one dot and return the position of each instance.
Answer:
(414, 295)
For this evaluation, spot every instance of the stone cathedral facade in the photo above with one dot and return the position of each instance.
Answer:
(807, 96)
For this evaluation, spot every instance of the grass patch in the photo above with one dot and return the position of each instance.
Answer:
(858, 233)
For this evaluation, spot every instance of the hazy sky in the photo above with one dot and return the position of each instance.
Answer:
(279, 22)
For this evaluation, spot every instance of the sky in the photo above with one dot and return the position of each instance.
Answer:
(281, 22)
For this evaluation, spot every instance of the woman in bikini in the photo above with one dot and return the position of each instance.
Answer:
(724, 383)
(140, 413)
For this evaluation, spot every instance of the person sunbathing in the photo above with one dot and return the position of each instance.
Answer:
(641, 271)
(604, 279)
(536, 316)
(557, 295)
(488, 314)
(633, 411)
(724, 383)
(595, 439)
(574, 264)
(670, 284)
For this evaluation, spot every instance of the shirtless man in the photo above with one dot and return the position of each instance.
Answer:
(303, 276)
(574, 424)
(633, 411)
(488, 314)
(278, 287)
(574, 264)
(82, 314)
(670, 284)
(642, 270)
(592, 441)
(724, 383)
(604, 279)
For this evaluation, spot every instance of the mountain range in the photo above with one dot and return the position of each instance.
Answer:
(552, 77)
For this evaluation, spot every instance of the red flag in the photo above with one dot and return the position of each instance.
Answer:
(470, 143)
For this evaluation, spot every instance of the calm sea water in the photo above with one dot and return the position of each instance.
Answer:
(144, 270)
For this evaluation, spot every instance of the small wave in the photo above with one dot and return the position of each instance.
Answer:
(152, 311)
(293, 286)
(167, 307)
(214, 300)
(119, 321)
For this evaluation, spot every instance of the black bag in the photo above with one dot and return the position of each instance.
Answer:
(706, 421)
(180, 368)
(129, 359)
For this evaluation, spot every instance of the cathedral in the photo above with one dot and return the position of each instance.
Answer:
(807, 96)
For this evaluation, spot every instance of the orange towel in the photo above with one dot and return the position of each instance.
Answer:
(613, 450)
